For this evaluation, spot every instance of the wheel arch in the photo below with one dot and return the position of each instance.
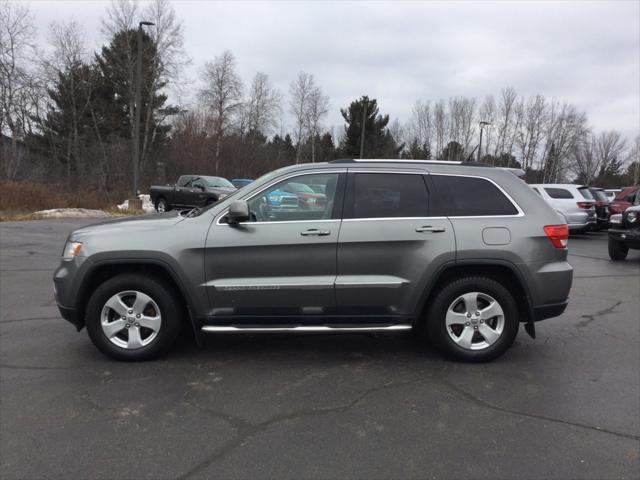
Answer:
(502, 271)
(106, 269)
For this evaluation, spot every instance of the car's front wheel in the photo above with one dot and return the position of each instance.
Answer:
(617, 250)
(473, 319)
(133, 317)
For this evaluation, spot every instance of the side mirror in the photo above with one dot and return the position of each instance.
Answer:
(238, 212)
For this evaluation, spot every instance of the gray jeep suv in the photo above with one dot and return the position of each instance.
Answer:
(461, 253)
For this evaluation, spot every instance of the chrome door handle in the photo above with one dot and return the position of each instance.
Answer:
(315, 232)
(429, 228)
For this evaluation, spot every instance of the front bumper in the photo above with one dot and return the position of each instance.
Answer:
(71, 315)
(630, 238)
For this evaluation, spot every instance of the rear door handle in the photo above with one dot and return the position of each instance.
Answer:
(315, 232)
(429, 228)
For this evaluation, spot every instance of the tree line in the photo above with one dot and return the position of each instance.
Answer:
(68, 115)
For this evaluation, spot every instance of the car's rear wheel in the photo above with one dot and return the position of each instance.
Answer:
(473, 319)
(617, 250)
(162, 206)
(133, 317)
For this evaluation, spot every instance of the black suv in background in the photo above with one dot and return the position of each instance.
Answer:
(624, 233)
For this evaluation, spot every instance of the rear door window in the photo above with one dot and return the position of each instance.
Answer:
(470, 196)
(386, 195)
(559, 193)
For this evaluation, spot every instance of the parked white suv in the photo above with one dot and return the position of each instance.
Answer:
(574, 202)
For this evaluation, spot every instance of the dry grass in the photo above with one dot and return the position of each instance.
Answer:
(18, 200)
(30, 197)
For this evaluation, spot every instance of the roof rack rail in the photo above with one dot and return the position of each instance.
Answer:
(396, 160)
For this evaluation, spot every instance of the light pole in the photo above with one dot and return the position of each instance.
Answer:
(482, 125)
(364, 119)
(138, 101)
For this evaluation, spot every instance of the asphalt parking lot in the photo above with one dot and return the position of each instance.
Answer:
(566, 405)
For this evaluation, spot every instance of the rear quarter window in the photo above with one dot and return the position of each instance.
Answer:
(560, 193)
(470, 196)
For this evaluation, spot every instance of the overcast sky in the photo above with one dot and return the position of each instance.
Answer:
(586, 52)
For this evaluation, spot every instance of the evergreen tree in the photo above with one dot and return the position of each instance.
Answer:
(453, 152)
(117, 64)
(378, 142)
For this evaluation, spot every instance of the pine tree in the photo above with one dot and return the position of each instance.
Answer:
(378, 142)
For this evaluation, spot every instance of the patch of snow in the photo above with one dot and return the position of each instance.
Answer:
(147, 206)
(71, 213)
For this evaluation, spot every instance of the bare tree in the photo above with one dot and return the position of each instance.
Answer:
(317, 109)
(421, 125)
(584, 158)
(487, 113)
(530, 133)
(504, 123)
(300, 90)
(17, 86)
(221, 94)
(611, 147)
(440, 126)
(566, 126)
(263, 105)
(167, 62)
(68, 55)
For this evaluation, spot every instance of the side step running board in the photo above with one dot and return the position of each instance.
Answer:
(302, 329)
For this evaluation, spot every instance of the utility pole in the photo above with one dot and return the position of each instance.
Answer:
(136, 131)
(482, 125)
(364, 119)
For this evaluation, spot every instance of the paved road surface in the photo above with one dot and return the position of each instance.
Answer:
(319, 406)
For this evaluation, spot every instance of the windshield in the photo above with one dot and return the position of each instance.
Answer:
(217, 182)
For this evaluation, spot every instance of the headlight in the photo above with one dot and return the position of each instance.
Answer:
(617, 218)
(71, 250)
(632, 217)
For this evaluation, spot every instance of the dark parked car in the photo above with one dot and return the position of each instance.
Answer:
(624, 233)
(190, 191)
(462, 254)
(623, 200)
(240, 182)
(602, 207)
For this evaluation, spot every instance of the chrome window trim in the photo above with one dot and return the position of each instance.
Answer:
(509, 197)
(391, 218)
(328, 220)
(278, 180)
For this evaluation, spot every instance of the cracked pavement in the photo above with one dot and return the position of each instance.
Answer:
(566, 405)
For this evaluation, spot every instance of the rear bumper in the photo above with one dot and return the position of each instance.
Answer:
(543, 312)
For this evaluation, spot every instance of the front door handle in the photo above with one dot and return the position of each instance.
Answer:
(315, 232)
(429, 228)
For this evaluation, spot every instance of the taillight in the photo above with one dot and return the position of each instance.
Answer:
(585, 205)
(558, 234)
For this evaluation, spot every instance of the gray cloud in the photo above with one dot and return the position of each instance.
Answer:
(585, 52)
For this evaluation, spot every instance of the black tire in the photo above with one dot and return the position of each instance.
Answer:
(437, 329)
(160, 293)
(617, 250)
(162, 205)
